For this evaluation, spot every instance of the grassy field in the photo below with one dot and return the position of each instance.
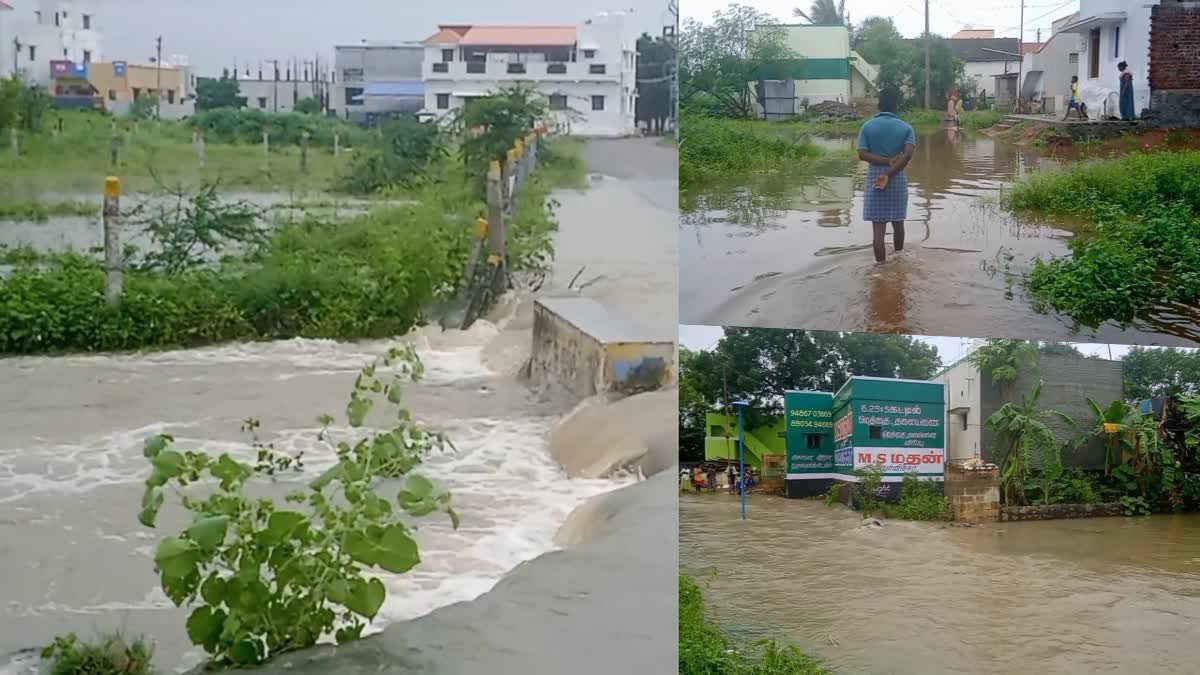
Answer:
(713, 147)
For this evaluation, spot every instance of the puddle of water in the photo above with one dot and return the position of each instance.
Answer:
(1111, 595)
(959, 273)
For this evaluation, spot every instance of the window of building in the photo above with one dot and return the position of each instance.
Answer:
(447, 55)
(559, 102)
(56, 20)
(137, 93)
(1073, 58)
(597, 103)
(876, 433)
(443, 101)
(716, 429)
(171, 96)
(1116, 42)
(33, 53)
(87, 21)
(353, 93)
(597, 69)
(556, 69)
(87, 56)
(589, 53)
(262, 102)
(516, 68)
(813, 441)
(295, 97)
(112, 94)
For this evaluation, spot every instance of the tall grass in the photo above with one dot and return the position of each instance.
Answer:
(1143, 250)
(713, 147)
(705, 650)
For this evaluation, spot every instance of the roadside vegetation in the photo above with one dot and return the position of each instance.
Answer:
(705, 650)
(108, 654)
(217, 271)
(712, 147)
(1142, 249)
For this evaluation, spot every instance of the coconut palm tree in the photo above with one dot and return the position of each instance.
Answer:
(825, 13)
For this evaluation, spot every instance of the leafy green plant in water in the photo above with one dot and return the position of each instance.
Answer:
(834, 494)
(108, 655)
(193, 227)
(921, 500)
(1135, 506)
(264, 578)
(866, 490)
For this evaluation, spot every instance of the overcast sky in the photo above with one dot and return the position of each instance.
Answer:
(945, 16)
(214, 33)
(950, 349)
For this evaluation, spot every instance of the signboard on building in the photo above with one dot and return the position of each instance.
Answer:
(63, 69)
(809, 417)
(900, 436)
(120, 68)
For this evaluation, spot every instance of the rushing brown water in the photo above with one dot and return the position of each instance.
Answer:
(1105, 595)
(772, 250)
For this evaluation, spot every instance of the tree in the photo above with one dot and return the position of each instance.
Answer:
(1003, 361)
(22, 105)
(1059, 349)
(759, 365)
(717, 60)
(309, 106)
(144, 107)
(1152, 372)
(218, 93)
(656, 68)
(825, 13)
(901, 62)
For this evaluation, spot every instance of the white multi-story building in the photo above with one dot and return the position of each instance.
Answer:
(35, 32)
(588, 73)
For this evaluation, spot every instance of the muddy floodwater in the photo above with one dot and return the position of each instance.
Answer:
(773, 250)
(1104, 595)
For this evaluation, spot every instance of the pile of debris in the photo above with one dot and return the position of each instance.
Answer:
(831, 110)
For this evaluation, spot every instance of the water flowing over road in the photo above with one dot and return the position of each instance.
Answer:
(780, 251)
(1105, 595)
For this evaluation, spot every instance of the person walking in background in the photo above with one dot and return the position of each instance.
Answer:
(712, 478)
(886, 143)
(1075, 103)
(1127, 110)
(732, 478)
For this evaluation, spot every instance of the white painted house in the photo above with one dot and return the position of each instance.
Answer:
(35, 32)
(1048, 68)
(1112, 31)
(588, 73)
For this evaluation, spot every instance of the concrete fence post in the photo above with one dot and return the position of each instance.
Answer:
(15, 139)
(304, 140)
(337, 144)
(496, 230)
(266, 144)
(201, 149)
(113, 280)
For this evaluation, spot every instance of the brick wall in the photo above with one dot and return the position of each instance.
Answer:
(1175, 45)
(1060, 511)
(974, 493)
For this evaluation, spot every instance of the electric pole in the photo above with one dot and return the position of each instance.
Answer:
(928, 57)
(16, 56)
(674, 9)
(1021, 62)
(158, 78)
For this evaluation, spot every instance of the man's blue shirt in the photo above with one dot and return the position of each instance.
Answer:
(886, 135)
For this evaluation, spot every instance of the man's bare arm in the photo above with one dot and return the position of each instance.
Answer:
(902, 160)
(872, 158)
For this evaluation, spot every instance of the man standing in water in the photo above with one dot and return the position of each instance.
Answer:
(886, 143)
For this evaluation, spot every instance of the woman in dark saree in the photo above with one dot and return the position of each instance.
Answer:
(1127, 111)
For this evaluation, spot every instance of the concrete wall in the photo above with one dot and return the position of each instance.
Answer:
(1061, 511)
(582, 347)
(983, 72)
(818, 42)
(1054, 62)
(1068, 382)
(1176, 109)
(962, 383)
(974, 494)
(261, 94)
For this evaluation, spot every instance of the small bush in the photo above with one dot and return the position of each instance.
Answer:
(834, 494)
(921, 500)
(1076, 487)
(108, 655)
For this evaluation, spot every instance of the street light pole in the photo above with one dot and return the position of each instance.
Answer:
(928, 55)
(741, 406)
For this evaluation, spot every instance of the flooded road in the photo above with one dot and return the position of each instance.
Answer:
(1105, 595)
(72, 427)
(772, 250)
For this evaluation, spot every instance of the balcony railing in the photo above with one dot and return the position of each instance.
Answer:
(476, 68)
(556, 69)
(516, 68)
(441, 67)
(520, 69)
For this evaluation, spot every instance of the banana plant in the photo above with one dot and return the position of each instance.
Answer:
(1022, 437)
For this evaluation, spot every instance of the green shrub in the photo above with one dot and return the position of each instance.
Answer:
(921, 500)
(108, 655)
(705, 650)
(1134, 184)
(227, 125)
(401, 155)
(834, 494)
(1076, 487)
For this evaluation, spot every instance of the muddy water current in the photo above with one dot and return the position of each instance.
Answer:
(774, 250)
(71, 468)
(1105, 595)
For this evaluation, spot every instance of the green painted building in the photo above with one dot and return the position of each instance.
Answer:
(721, 440)
(897, 424)
(810, 447)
